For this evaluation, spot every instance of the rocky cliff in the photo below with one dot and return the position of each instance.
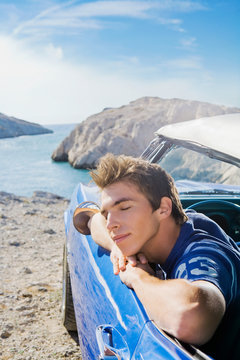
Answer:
(128, 129)
(11, 127)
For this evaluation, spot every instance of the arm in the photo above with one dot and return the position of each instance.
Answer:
(87, 219)
(97, 226)
(189, 311)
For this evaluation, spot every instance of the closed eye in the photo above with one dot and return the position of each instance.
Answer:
(125, 208)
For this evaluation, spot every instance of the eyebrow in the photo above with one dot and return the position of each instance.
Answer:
(117, 202)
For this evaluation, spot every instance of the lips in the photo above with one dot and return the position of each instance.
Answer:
(119, 238)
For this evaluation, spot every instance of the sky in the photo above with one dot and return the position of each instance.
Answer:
(62, 61)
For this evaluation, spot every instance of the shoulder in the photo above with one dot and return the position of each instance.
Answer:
(207, 260)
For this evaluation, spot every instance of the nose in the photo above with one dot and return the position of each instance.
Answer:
(112, 222)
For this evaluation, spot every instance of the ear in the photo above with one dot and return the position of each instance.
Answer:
(165, 208)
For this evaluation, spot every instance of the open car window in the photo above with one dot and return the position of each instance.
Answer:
(195, 172)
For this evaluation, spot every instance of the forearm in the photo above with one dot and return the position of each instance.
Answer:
(97, 225)
(162, 301)
(179, 307)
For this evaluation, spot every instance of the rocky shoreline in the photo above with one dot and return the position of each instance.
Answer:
(12, 127)
(31, 244)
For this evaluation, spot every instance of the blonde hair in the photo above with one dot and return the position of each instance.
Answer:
(151, 179)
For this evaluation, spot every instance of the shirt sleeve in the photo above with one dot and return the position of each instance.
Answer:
(201, 262)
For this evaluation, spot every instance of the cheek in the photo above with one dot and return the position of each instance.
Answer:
(151, 226)
(143, 229)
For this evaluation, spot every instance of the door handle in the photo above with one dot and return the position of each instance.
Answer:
(111, 344)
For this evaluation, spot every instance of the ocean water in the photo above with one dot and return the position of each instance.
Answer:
(26, 165)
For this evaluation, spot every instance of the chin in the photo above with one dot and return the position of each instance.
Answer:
(129, 253)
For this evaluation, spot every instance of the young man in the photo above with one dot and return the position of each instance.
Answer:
(143, 224)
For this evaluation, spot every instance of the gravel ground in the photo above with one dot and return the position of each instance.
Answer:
(31, 244)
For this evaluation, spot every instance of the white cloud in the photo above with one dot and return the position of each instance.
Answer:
(188, 43)
(183, 6)
(55, 52)
(114, 8)
(174, 24)
(43, 87)
(37, 19)
(71, 15)
(170, 21)
(189, 63)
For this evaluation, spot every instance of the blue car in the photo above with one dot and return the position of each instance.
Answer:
(203, 157)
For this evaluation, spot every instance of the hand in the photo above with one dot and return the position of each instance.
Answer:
(132, 273)
(120, 261)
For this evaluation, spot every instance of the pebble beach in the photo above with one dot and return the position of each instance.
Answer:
(31, 245)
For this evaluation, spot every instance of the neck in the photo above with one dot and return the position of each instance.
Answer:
(159, 248)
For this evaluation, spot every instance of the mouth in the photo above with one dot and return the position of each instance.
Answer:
(119, 238)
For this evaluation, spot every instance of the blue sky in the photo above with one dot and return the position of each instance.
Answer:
(61, 61)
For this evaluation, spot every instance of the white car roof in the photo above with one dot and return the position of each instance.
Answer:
(220, 133)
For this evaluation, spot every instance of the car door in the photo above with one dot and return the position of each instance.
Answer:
(111, 321)
(108, 314)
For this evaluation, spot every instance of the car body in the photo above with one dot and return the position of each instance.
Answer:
(110, 320)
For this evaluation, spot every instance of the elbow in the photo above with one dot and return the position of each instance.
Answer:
(187, 321)
(196, 314)
(196, 326)
(192, 330)
(200, 317)
(185, 326)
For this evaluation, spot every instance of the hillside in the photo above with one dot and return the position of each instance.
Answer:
(12, 127)
(128, 129)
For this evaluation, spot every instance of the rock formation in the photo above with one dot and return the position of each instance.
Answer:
(128, 129)
(11, 127)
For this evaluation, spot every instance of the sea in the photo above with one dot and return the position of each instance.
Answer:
(26, 165)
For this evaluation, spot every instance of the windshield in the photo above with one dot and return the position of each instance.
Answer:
(196, 173)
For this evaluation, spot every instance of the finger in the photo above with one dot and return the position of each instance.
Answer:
(132, 260)
(122, 263)
(142, 258)
(114, 260)
(116, 269)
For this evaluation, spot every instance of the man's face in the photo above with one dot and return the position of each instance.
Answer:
(131, 222)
